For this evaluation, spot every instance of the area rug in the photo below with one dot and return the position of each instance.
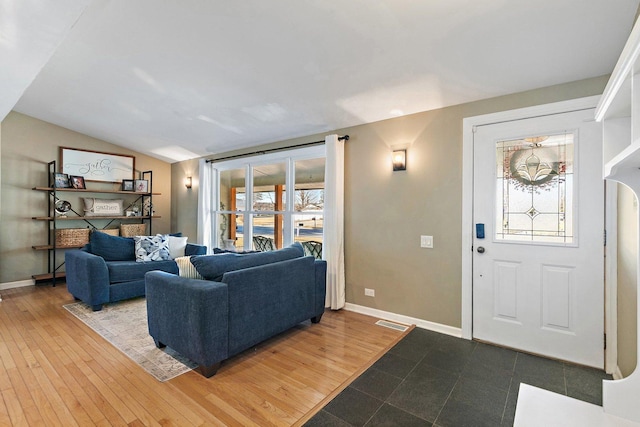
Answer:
(124, 324)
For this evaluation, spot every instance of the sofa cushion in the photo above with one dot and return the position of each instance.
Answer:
(212, 267)
(112, 248)
(152, 248)
(126, 271)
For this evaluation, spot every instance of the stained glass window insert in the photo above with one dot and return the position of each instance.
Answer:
(534, 189)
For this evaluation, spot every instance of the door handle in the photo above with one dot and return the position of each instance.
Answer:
(480, 249)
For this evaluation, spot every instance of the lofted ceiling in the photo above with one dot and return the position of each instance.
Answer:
(184, 79)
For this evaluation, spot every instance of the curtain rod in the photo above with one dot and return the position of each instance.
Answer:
(272, 150)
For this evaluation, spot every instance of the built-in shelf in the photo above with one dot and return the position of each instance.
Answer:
(76, 190)
(629, 157)
(47, 247)
(48, 276)
(619, 112)
(97, 222)
(90, 218)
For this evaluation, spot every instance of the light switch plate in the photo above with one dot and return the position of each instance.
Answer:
(426, 241)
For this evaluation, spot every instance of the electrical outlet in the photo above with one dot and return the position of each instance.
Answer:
(426, 241)
(369, 292)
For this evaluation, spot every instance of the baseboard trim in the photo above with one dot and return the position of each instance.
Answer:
(18, 284)
(424, 324)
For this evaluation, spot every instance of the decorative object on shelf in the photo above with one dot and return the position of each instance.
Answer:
(102, 207)
(130, 230)
(188, 182)
(60, 180)
(97, 166)
(142, 186)
(131, 213)
(127, 185)
(62, 207)
(77, 182)
(72, 237)
(147, 208)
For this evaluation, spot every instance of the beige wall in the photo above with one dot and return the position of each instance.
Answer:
(385, 212)
(627, 279)
(28, 145)
(184, 202)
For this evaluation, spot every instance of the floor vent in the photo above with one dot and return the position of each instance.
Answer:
(392, 325)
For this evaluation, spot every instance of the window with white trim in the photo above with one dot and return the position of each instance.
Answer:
(255, 210)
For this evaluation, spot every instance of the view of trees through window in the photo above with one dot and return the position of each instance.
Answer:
(273, 220)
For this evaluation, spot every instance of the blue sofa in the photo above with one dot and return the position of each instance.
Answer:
(105, 270)
(244, 300)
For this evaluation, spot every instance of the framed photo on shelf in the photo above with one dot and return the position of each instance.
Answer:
(141, 186)
(127, 185)
(60, 180)
(77, 182)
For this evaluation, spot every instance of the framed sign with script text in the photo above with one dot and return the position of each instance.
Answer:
(97, 166)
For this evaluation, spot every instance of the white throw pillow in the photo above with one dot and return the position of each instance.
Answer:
(186, 269)
(177, 245)
(152, 248)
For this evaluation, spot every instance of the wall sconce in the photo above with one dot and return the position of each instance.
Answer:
(187, 182)
(399, 158)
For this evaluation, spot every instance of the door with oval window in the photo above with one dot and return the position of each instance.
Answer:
(538, 263)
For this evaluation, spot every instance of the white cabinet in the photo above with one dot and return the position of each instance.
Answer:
(619, 111)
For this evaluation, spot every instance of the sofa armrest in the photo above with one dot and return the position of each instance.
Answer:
(193, 249)
(189, 315)
(321, 287)
(87, 277)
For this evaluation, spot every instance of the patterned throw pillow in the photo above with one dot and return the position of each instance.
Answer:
(152, 248)
(186, 269)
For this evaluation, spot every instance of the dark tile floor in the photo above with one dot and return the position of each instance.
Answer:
(431, 379)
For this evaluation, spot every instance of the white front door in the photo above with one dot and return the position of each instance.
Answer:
(538, 272)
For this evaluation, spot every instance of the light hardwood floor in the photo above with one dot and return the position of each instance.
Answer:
(54, 370)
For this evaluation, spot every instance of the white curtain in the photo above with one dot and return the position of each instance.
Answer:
(206, 199)
(333, 239)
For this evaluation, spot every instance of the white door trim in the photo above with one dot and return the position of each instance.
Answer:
(468, 126)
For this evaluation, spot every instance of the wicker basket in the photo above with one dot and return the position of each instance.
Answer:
(111, 231)
(72, 236)
(130, 230)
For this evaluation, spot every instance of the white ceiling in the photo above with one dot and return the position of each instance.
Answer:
(183, 79)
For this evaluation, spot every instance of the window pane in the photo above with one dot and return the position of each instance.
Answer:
(264, 235)
(232, 190)
(225, 232)
(239, 231)
(268, 187)
(309, 188)
(534, 189)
